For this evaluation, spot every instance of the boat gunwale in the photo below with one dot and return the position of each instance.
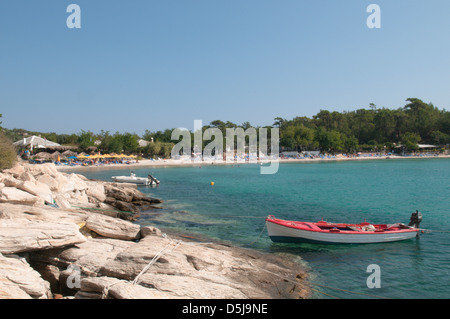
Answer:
(283, 223)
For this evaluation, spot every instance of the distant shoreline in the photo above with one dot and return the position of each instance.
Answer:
(178, 163)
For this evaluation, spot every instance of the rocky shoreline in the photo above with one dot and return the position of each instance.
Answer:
(64, 236)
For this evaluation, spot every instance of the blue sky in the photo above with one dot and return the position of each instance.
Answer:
(137, 65)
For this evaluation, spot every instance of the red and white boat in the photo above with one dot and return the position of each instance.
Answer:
(323, 232)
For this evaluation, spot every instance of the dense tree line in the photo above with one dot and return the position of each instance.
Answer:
(416, 122)
(363, 129)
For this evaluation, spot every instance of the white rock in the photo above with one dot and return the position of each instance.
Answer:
(14, 195)
(78, 198)
(19, 281)
(49, 181)
(42, 169)
(44, 213)
(113, 227)
(38, 189)
(78, 183)
(96, 190)
(25, 235)
(15, 171)
(27, 176)
(62, 202)
(64, 184)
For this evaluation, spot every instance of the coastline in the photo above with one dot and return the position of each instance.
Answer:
(178, 163)
(61, 237)
(40, 244)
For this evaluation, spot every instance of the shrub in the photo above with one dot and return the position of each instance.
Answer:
(8, 153)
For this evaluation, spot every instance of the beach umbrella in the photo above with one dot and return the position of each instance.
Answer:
(56, 156)
(72, 157)
(68, 153)
(42, 155)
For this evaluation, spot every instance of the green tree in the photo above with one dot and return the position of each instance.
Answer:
(411, 141)
(116, 144)
(166, 149)
(157, 149)
(422, 117)
(443, 124)
(130, 142)
(147, 135)
(106, 139)
(86, 140)
(365, 125)
(279, 121)
(323, 119)
(440, 138)
(384, 122)
(152, 149)
(351, 144)
(331, 141)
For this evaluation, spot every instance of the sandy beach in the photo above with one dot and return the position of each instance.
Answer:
(147, 163)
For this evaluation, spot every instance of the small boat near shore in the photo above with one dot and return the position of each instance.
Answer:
(148, 181)
(322, 232)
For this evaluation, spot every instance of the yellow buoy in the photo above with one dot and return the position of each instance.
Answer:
(212, 183)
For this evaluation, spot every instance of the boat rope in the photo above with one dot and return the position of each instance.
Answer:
(257, 217)
(434, 231)
(172, 243)
(105, 290)
(259, 236)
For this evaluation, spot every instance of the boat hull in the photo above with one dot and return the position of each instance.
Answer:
(135, 180)
(281, 233)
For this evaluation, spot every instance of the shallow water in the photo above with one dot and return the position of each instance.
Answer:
(381, 191)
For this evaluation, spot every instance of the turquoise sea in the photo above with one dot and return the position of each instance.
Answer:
(379, 191)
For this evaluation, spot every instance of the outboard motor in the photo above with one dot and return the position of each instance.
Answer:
(152, 179)
(416, 218)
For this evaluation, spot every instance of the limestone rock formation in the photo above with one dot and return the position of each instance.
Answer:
(61, 234)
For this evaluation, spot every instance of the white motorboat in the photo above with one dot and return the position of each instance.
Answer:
(149, 180)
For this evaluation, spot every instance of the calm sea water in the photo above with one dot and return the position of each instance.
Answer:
(381, 191)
